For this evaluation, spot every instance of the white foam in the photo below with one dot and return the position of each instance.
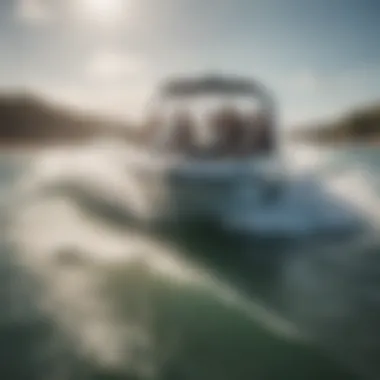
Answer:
(53, 232)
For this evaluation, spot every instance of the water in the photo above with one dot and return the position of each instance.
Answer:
(85, 296)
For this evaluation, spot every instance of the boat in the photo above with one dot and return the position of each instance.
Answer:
(214, 160)
(217, 135)
(234, 132)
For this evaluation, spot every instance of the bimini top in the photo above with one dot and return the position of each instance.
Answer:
(212, 85)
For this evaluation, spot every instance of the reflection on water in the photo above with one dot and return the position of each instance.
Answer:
(85, 296)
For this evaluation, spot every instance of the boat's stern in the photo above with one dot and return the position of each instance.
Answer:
(213, 190)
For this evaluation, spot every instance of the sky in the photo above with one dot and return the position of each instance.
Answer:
(318, 57)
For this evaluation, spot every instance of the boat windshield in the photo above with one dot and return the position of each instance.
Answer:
(210, 124)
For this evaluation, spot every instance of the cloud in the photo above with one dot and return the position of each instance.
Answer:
(312, 95)
(359, 78)
(98, 12)
(34, 11)
(113, 65)
(95, 14)
(122, 100)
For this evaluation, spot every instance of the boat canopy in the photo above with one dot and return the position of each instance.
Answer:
(228, 128)
(214, 85)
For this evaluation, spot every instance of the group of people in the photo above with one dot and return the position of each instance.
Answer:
(234, 134)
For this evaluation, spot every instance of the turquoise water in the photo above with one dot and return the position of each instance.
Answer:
(85, 297)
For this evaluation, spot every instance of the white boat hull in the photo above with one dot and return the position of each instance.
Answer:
(254, 197)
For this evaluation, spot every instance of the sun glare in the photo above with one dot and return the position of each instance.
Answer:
(101, 11)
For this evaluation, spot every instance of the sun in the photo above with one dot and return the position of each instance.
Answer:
(101, 11)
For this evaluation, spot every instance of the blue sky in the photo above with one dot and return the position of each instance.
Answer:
(320, 57)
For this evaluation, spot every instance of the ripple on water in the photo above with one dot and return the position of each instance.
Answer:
(102, 302)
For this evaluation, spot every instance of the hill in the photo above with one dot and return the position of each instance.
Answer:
(27, 119)
(359, 126)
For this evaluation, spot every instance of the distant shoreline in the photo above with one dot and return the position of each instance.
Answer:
(341, 143)
(35, 147)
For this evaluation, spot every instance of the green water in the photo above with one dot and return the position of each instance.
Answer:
(158, 327)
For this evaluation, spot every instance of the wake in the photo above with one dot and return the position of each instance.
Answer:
(326, 293)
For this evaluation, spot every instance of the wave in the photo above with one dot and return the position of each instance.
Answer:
(96, 277)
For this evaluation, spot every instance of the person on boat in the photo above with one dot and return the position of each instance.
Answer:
(265, 136)
(182, 139)
(253, 126)
(259, 133)
(228, 128)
